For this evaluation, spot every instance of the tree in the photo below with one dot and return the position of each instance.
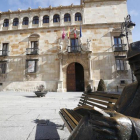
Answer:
(101, 86)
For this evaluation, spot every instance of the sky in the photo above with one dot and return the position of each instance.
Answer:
(133, 9)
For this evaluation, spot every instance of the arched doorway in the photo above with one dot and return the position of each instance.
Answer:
(75, 77)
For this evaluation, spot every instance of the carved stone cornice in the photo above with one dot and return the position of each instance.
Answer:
(42, 9)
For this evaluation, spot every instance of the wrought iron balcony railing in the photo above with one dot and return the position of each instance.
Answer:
(119, 47)
(32, 51)
(74, 49)
(4, 53)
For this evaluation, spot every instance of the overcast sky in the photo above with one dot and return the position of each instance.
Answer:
(133, 8)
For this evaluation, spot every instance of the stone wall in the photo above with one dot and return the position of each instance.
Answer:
(100, 23)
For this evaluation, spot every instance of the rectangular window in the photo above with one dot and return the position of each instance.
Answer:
(4, 50)
(34, 44)
(3, 66)
(31, 66)
(34, 47)
(117, 42)
(74, 42)
(120, 64)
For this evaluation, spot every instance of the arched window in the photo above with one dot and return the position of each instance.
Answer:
(56, 18)
(46, 19)
(78, 17)
(25, 21)
(67, 18)
(6, 23)
(15, 22)
(36, 20)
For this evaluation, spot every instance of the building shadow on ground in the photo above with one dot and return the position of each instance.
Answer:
(46, 130)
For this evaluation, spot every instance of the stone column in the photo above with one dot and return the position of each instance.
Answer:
(60, 82)
(40, 21)
(72, 17)
(61, 19)
(90, 71)
(30, 21)
(10, 24)
(20, 22)
(51, 19)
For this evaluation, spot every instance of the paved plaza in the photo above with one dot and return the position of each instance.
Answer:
(23, 116)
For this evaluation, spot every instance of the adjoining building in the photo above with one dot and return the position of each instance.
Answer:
(32, 51)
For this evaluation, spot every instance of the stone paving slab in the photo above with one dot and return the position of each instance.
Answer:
(23, 116)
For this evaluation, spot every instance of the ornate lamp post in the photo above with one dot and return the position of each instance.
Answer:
(125, 27)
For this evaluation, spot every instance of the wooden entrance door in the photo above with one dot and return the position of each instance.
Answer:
(71, 84)
(75, 77)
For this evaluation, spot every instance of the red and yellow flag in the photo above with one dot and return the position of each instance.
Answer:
(68, 32)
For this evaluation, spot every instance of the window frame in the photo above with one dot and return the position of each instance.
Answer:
(45, 19)
(78, 16)
(6, 23)
(35, 65)
(4, 69)
(56, 18)
(118, 43)
(121, 64)
(67, 17)
(5, 48)
(15, 22)
(35, 20)
(75, 42)
(25, 21)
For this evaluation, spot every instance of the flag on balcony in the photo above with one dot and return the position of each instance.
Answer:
(68, 32)
(63, 34)
(80, 31)
(75, 33)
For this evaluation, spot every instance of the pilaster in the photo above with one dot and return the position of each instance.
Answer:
(30, 21)
(20, 22)
(61, 19)
(90, 71)
(51, 19)
(60, 82)
(40, 21)
(10, 24)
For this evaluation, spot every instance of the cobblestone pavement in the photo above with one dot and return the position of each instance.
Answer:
(23, 116)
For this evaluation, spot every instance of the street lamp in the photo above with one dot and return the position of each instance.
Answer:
(125, 27)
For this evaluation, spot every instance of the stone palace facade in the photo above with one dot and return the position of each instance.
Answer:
(32, 51)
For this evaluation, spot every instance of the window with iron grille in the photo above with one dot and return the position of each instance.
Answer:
(36, 20)
(121, 64)
(25, 21)
(31, 65)
(78, 17)
(67, 17)
(3, 66)
(15, 22)
(56, 18)
(46, 19)
(6, 23)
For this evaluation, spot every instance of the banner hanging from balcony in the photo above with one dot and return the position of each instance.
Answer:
(63, 34)
(80, 31)
(75, 33)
